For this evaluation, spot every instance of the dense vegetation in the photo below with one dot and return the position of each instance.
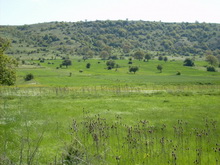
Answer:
(113, 38)
(7, 65)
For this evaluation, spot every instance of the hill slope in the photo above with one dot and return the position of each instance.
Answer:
(109, 38)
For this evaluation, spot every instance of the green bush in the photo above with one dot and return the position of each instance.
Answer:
(178, 73)
(29, 77)
(133, 69)
(211, 69)
(110, 64)
(188, 62)
(88, 65)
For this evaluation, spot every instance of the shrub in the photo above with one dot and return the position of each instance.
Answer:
(188, 62)
(211, 69)
(178, 73)
(133, 69)
(160, 68)
(113, 57)
(88, 65)
(147, 57)
(165, 59)
(212, 60)
(110, 64)
(29, 77)
(67, 62)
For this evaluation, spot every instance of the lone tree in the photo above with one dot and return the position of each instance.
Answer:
(110, 64)
(67, 62)
(212, 60)
(147, 57)
(104, 55)
(165, 59)
(7, 65)
(88, 65)
(133, 69)
(85, 58)
(139, 55)
(188, 62)
(160, 68)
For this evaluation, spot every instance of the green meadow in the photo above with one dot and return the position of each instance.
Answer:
(77, 115)
(98, 75)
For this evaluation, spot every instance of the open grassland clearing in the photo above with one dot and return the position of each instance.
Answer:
(78, 75)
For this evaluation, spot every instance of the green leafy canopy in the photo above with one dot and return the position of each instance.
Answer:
(7, 65)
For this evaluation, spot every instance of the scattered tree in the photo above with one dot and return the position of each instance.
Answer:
(188, 62)
(165, 59)
(160, 68)
(88, 65)
(147, 57)
(104, 55)
(212, 60)
(139, 55)
(110, 64)
(133, 69)
(7, 65)
(67, 62)
(85, 58)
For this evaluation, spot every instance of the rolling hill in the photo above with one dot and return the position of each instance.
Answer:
(112, 38)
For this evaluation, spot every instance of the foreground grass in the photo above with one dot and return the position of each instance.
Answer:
(113, 125)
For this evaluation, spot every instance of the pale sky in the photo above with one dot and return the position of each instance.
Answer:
(20, 12)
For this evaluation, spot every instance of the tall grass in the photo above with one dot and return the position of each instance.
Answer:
(110, 125)
(103, 90)
(96, 140)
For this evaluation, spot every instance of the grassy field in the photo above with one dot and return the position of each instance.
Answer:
(102, 116)
(97, 75)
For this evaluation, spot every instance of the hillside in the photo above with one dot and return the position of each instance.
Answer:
(112, 38)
